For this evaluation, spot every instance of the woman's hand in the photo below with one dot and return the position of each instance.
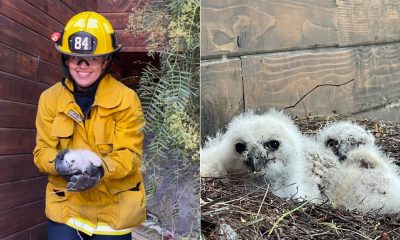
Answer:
(85, 181)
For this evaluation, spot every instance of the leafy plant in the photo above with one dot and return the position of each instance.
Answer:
(170, 92)
(170, 100)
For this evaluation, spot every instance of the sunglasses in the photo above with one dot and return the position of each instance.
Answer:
(89, 61)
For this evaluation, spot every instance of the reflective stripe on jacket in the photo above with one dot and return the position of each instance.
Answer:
(100, 229)
(112, 129)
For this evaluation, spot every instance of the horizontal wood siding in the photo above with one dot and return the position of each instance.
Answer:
(118, 6)
(252, 26)
(17, 63)
(19, 141)
(246, 27)
(80, 6)
(280, 80)
(17, 167)
(54, 9)
(361, 22)
(220, 106)
(283, 49)
(20, 218)
(37, 232)
(33, 18)
(29, 65)
(19, 37)
(19, 89)
(16, 115)
(117, 13)
(14, 194)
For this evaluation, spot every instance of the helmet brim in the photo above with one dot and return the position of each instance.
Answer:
(119, 47)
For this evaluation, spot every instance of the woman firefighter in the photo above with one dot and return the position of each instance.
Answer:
(90, 139)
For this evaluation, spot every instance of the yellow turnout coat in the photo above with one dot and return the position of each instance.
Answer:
(113, 130)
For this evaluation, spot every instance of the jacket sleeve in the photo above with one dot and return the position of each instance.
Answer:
(46, 145)
(126, 156)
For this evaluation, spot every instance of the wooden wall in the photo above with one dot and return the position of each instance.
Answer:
(117, 12)
(29, 64)
(261, 54)
(133, 56)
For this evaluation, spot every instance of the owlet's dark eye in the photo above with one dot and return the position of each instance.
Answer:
(332, 143)
(272, 145)
(240, 147)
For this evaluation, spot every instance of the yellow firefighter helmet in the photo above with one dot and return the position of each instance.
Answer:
(86, 34)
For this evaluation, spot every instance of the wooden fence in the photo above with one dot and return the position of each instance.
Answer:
(262, 54)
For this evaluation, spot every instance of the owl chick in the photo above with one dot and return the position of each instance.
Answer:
(367, 181)
(269, 144)
(80, 160)
(343, 136)
(320, 164)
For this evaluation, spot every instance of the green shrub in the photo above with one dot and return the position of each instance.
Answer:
(170, 92)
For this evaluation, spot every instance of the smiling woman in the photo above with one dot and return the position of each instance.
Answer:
(90, 139)
(85, 71)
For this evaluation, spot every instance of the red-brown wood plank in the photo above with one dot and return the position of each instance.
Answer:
(17, 167)
(56, 9)
(18, 89)
(49, 73)
(17, 115)
(17, 141)
(130, 41)
(19, 37)
(16, 219)
(38, 232)
(137, 49)
(29, 16)
(18, 193)
(107, 6)
(22, 235)
(18, 63)
(119, 21)
(92, 5)
(81, 6)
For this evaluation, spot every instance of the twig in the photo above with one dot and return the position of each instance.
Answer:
(333, 214)
(319, 234)
(355, 232)
(284, 215)
(237, 199)
(319, 85)
(262, 202)
(213, 211)
(255, 221)
(208, 204)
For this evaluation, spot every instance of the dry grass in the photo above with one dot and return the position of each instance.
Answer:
(253, 212)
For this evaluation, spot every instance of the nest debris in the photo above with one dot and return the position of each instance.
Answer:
(233, 210)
